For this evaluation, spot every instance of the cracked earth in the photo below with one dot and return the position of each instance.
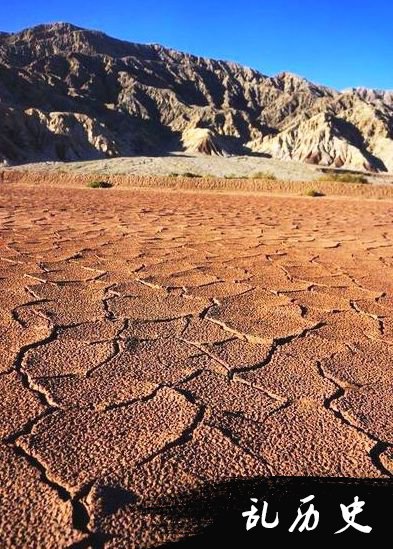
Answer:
(155, 343)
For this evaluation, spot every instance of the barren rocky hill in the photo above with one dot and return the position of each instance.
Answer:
(68, 93)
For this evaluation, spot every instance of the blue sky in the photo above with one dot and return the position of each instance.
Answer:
(340, 43)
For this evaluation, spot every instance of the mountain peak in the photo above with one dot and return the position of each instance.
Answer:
(78, 93)
(63, 26)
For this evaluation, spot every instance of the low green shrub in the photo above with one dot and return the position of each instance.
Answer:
(191, 174)
(344, 178)
(314, 193)
(185, 174)
(234, 176)
(263, 175)
(99, 185)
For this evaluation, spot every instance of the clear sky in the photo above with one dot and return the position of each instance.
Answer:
(340, 43)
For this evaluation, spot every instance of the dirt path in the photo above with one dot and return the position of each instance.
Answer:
(155, 343)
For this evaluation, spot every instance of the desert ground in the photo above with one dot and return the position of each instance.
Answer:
(156, 342)
(198, 164)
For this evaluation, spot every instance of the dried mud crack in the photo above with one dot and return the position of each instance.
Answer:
(165, 344)
(380, 446)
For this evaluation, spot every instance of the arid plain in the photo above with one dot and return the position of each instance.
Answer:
(155, 342)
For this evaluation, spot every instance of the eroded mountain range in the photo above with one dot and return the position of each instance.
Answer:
(68, 93)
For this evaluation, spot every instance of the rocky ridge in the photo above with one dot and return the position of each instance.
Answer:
(68, 93)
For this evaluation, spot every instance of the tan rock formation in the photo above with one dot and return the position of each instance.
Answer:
(68, 93)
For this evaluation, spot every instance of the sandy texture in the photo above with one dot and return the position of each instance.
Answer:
(231, 167)
(155, 343)
(85, 175)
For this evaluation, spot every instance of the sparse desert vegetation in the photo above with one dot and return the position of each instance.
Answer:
(187, 174)
(180, 165)
(314, 193)
(269, 176)
(344, 178)
(99, 184)
(234, 176)
(191, 174)
(78, 178)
